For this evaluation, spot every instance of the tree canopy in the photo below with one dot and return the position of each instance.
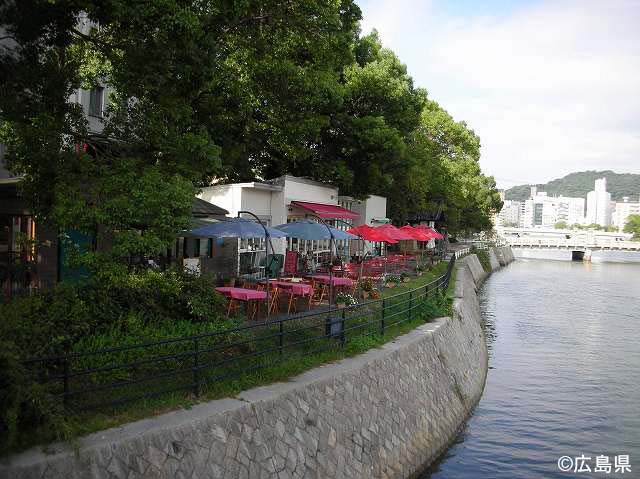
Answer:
(217, 91)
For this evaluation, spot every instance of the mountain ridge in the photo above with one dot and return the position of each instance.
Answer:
(578, 184)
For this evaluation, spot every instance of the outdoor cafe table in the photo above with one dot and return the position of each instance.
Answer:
(295, 289)
(335, 281)
(241, 294)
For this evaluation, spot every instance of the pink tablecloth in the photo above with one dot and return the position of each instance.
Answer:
(298, 289)
(336, 281)
(242, 294)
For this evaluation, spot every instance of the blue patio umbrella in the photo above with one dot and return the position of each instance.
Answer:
(312, 230)
(237, 228)
(241, 228)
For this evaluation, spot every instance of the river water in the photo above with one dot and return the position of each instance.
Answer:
(564, 373)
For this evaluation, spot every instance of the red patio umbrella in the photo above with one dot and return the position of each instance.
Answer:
(395, 233)
(430, 231)
(416, 233)
(368, 233)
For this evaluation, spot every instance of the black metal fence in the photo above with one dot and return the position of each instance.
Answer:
(106, 378)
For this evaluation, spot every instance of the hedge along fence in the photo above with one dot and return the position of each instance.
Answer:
(106, 380)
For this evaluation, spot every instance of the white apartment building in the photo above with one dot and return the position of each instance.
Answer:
(509, 215)
(623, 209)
(544, 211)
(570, 210)
(599, 204)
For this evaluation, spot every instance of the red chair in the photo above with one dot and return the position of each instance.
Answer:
(291, 263)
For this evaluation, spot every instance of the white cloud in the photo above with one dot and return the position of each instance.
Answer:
(551, 87)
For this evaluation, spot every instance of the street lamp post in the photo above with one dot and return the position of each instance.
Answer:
(331, 242)
(267, 243)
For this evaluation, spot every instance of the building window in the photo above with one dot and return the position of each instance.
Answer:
(96, 101)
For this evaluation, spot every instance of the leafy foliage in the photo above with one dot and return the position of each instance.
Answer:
(633, 226)
(104, 311)
(230, 92)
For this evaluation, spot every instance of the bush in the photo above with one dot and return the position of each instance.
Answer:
(25, 405)
(437, 306)
(100, 312)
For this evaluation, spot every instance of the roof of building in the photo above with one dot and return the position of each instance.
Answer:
(204, 209)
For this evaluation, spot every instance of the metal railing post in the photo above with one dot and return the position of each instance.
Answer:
(410, 305)
(342, 334)
(65, 382)
(196, 367)
(280, 337)
(382, 318)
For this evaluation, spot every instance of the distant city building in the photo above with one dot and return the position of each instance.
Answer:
(544, 211)
(510, 213)
(570, 210)
(623, 210)
(599, 204)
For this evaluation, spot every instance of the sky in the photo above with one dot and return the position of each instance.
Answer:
(551, 87)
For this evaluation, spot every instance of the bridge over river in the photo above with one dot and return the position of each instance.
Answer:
(580, 243)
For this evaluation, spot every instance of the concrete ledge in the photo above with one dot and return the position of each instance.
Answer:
(389, 412)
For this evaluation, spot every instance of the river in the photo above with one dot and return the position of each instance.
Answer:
(564, 373)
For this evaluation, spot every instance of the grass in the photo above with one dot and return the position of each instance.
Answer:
(428, 276)
(228, 379)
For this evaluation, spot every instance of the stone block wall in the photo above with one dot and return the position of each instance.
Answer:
(387, 413)
(493, 260)
(504, 254)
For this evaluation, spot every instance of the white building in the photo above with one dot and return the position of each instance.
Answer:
(290, 198)
(599, 204)
(510, 213)
(543, 211)
(570, 210)
(623, 209)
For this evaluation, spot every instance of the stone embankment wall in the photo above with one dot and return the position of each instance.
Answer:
(387, 413)
(503, 254)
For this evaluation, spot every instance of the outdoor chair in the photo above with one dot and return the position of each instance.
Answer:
(232, 306)
(291, 263)
(272, 265)
(319, 292)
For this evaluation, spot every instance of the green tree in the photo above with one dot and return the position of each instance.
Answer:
(197, 91)
(363, 146)
(633, 226)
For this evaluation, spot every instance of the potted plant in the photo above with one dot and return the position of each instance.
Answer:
(420, 268)
(404, 277)
(344, 300)
(366, 287)
(391, 280)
